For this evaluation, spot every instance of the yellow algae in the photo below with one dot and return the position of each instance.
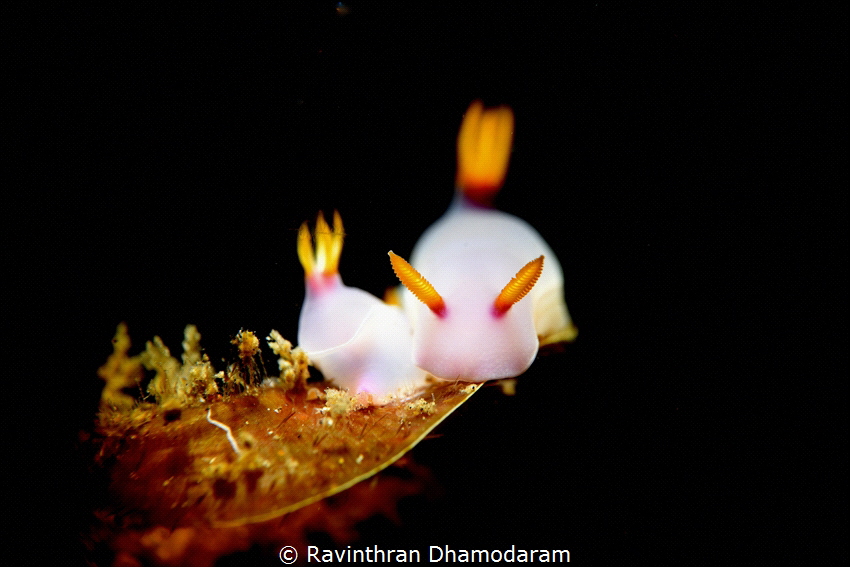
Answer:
(120, 371)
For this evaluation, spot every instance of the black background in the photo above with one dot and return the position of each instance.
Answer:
(688, 166)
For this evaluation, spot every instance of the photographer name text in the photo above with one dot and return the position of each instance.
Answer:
(436, 554)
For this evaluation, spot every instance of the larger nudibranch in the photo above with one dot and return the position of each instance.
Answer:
(359, 342)
(494, 290)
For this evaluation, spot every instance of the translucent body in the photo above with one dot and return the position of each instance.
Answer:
(359, 342)
(468, 256)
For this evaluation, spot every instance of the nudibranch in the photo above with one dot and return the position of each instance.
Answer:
(359, 342)
(483, 289)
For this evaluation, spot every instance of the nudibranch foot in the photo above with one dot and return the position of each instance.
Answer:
(566, 335)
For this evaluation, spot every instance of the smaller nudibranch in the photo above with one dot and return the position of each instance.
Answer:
(483, 289)
(359, 342)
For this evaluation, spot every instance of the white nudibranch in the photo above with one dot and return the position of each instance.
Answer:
(359, 342)
(494, 290)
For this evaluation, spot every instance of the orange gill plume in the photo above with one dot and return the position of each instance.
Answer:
(483, 151)
(328, 246)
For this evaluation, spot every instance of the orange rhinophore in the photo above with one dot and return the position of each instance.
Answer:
(417, 285)
(519, 286)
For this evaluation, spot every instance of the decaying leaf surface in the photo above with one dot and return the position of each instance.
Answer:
(200, 464)
(286, 452)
